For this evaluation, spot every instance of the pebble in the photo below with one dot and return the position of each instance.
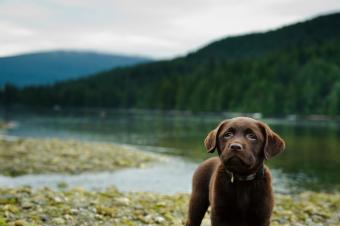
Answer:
(123, 200)
(44, 218)
(74, 211)
(58, 221)
(26, 205)
(20, 223)
(159, 219)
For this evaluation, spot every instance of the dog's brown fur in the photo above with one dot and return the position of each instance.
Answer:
(242, 144)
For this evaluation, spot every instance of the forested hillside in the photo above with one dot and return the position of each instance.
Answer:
(295, 69)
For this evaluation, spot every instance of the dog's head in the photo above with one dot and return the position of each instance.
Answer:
(243, 143)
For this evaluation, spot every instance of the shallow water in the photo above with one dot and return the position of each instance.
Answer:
(172, 175)
(310, 162)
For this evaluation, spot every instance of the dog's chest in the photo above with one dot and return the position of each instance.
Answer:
(237, 197)
(242, 198)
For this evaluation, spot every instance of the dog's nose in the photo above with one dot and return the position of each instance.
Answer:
(236, 147)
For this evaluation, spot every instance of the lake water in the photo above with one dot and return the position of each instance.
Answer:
(311, 160)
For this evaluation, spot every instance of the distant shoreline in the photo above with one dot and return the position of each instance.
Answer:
(103, 112)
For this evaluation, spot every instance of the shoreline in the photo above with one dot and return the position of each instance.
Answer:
(46, 162)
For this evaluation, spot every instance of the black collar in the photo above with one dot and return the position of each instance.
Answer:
(259, 174)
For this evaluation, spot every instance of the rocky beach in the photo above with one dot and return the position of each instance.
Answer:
(25, 206)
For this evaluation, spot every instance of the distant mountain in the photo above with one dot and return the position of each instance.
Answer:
(291, 70)
(49, 67)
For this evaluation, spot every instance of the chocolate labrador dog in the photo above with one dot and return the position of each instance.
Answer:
(236, 184)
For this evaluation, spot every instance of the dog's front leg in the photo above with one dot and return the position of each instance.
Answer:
(198, 205)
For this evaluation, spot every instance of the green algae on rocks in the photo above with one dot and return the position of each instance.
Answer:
(24, 206)
(34, 156)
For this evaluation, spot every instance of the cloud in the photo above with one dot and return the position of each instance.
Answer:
(12, 30)
(160, 29)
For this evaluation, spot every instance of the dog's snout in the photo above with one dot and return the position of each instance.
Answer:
(236, 147)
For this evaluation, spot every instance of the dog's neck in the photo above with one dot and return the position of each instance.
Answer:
(259, 174)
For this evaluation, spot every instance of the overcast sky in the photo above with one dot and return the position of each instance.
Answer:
(156, 28)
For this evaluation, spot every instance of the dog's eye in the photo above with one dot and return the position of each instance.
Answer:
(251, 136)
(228, 134)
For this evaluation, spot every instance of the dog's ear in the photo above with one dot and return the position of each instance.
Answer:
(210, 141)
(274, 144)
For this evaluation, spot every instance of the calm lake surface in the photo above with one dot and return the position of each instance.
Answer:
(311, 160)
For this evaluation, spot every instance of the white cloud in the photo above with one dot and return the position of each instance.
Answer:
(12, 30)
(150, 27)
